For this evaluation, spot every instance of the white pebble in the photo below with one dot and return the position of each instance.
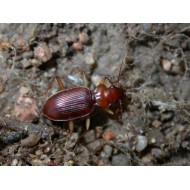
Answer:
(142, 143)
(89, 59)
(166, 64)
(14, 162)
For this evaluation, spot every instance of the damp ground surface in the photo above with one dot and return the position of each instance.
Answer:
(153, 126)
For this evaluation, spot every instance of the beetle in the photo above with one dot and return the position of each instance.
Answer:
(79, 102)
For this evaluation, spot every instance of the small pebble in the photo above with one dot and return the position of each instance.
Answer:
(157, 153)
(35, 62)
(120, 160)
(156, 123)
(109, 135)
(69, 163)
(185, 145)
(24, 91)
(115, 151)
(28, 55)
(147, 26)
(70, 38)
(25, 63)
(43, 53)
(153, 140)
(20, 43)
(104, 162)
(96, 79)
(148, 159)
(180, 128)
(89, 59)
(77, 46)
(107, 150)
(89, 136)
(43, 157)
(166, 64)
(84, 38)
(142, 143)
(95, 146)
(39, 152)
(177, 67)
(31, 140)
(14, 162)
(4, 45)
(37, 162)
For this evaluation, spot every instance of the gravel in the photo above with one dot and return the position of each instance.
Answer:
(142, 143)
(120, 160)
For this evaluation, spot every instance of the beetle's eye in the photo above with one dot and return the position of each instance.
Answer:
(113, 86)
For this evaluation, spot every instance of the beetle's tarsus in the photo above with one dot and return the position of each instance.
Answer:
(109, 111)
(87, 123)
(71, 126)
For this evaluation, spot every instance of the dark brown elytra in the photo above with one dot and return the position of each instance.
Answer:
(74, 103)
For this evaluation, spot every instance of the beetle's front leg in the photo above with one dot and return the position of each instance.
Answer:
(119, 110)
(109, 111)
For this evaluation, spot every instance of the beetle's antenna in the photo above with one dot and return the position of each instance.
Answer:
(120, 74)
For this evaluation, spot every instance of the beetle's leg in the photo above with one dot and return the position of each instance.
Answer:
(119, 109)
(120, 106)
(59, 81)
(87, 123)
(109, 111)
(103, 81)
(86, 85)
(71, 126)
(85, 81)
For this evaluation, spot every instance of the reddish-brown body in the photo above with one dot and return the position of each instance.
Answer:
(69, 104)
(79, 102)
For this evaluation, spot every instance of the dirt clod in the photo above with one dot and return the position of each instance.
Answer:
(43, 53)
(25, 109)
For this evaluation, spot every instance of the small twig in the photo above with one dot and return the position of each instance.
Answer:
(23, 126)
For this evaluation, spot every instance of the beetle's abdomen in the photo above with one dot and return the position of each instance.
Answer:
(69, 104)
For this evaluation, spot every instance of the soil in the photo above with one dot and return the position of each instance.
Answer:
(153, 127)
